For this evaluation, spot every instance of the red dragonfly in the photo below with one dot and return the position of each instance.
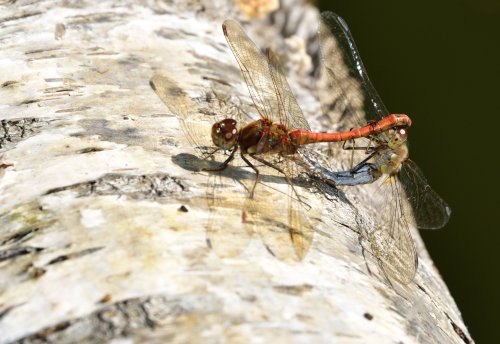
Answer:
(279, 132)
(407, 199)
(282, 128)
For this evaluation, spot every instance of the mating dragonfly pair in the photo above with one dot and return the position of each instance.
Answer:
(282, 131)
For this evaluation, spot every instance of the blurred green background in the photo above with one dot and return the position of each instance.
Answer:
(439, 62)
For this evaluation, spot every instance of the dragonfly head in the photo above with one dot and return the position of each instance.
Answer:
(225, 134)
(398, 138)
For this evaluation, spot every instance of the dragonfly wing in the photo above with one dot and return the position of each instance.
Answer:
(228, 234)
(195, 126)
(342, 59)
(254, 68)
(347, 79)
(390, 239)
(195, 122)
(301, 217)
(278, 216)
(429, 209)
(291, 113)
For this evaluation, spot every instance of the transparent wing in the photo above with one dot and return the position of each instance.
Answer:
(293, 116)
(390, 238)
(350, 89)
(429, 209)
(278, 215)
(301, 216)
(228, 234)
(255, 69)
(195, 126)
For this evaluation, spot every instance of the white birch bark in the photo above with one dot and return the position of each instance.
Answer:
(94, 243)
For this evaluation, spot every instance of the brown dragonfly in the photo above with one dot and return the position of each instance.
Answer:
(272, 204)
(274, 141)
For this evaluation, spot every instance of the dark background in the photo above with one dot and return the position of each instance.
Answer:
(439, 62)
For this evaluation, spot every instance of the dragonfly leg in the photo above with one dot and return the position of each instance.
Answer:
(363, 162)
(207, 155)
(368, 148)
(257, 174)
(352, 148)
(369, 145)
(357, 148)
(224, 164)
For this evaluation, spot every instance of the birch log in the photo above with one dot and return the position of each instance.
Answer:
(103, 224)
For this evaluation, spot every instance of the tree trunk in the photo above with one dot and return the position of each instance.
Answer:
(104, 222)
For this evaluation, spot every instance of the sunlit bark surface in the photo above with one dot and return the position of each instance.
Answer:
(103, 217)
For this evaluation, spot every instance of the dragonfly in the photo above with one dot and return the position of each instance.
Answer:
(282, 128)
(407, 198)
(274, 141)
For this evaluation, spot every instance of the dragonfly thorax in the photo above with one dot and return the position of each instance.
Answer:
(225, 134)
(391, 160)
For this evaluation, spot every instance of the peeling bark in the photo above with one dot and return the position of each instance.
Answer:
(103, 216)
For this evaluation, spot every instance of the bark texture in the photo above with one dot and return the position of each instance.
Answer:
(103, 222)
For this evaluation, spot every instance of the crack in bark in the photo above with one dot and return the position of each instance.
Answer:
(9, 84)
(144, 186)
(22, 15)
(458, 330)
(125, 318)
(74, 255)
(13, 131)
(12, 253)
(20, 236)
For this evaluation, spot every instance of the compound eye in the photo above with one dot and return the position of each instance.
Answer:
(403, 133)
(227, 128)
(225, 133)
